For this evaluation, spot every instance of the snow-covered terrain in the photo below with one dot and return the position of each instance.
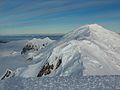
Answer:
(89, 50)
(10, 55)
(62, 83)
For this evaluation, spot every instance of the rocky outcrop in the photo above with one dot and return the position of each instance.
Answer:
(46, 69)
(58, 63)
(29, 47)
(36, 44)
(8, 74)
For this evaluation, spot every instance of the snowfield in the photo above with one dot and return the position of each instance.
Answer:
(62, 83)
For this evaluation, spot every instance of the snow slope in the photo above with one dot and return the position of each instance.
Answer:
(10, 55)
(88, 50)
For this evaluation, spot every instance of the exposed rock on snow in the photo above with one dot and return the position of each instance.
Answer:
(46, 69)
(8, 74)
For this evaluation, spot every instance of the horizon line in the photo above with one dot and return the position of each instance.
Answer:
(54, 34)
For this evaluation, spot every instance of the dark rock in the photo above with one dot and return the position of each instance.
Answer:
(7, 74)
(58, 63)
(46, 69)
(27, 48)
(29, 59)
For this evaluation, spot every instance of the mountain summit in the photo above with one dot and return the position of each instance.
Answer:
(88, 50)
(90, 31)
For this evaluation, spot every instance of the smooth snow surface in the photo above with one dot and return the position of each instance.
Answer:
(89, 50)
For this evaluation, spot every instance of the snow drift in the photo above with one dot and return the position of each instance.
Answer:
(88, 50)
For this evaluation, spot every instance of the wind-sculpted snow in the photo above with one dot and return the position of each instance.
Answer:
(62, 83)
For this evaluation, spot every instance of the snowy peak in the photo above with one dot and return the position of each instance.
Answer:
(34, 46)
(95, 29)
(90, 31)
(93, 26)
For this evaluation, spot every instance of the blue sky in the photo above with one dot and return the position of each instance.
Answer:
(56, 16)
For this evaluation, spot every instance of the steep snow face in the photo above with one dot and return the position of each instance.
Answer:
(89, 50)
(33, 47)
(70, 56)
(99, 47)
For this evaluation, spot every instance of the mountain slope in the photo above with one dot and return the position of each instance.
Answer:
(88, 50)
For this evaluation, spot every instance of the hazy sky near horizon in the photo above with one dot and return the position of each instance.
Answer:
(56, 16)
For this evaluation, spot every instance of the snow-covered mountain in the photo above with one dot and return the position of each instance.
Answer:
(34, 46)
(88, 50)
